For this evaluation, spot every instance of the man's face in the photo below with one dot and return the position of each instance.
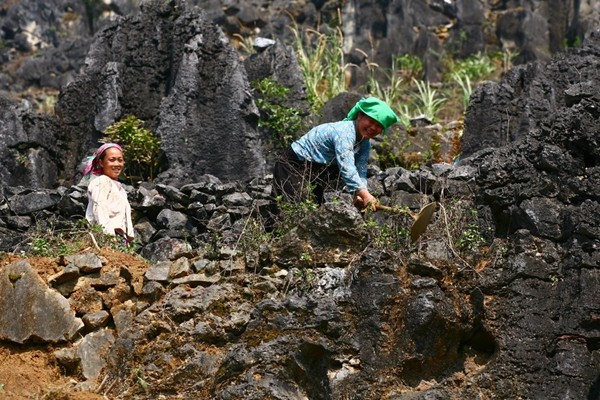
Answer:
(112, 163)
(367, 127)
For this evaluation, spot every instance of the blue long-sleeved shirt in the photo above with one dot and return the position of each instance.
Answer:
(336, 142)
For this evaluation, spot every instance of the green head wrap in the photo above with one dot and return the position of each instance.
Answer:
(376, 109)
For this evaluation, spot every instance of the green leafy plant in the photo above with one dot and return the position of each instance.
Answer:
(301, 280)
(283, 122)
(141, 148)
(410, 66)
(40, 247)
(391, 234)
(470, 239)
(140, 379)
(571, 42)
(465, 229)
(476, 67)
(465, 85)
(391, 151)
(53, 239)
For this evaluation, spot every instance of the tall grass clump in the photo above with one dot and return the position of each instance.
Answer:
(428, 100)
(321, 59)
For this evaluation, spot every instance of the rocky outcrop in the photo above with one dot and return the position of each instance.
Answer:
(29, 149)
(60, 32)
(539, 191)
(532, 100)
(251, 322)
(497, 300)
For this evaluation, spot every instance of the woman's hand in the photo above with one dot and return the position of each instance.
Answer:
(121, 232)
(364, 200)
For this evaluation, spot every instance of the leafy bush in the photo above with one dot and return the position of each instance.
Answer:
(291, 213)
(141, 149)
(283, 122)
(392, 151)
(476, 67)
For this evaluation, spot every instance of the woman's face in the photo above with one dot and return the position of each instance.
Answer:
(367, 127)
(112, 163)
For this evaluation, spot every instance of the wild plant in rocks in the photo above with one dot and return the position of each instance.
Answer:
(54, 238)
(141, 148)
(283, 122)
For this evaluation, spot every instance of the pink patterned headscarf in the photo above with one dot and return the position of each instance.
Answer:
(93, 163)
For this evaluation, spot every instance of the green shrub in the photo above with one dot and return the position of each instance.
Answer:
(283, 122)
(391, 151)
(476, 67)
(52, 238)
(141, 149)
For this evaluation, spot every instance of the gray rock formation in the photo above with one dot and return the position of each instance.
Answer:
(28, 147)
(170, 64)
(175, 70)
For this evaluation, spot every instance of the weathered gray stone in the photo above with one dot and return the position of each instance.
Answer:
(34, 201)
(92, 351)
(96, 320)
(31, 310)
(180, 268)
(159, 271)
(165, 249)
(86, 262)
(194, 280)
(333, 235)
(68, 273)
(423, 268)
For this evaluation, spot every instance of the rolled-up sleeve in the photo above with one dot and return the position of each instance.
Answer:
(348, 164)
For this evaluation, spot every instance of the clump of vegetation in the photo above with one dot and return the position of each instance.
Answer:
(53, 239)
(291, 213)
(141, 148)
(470, 237)
(326, 74)
(283, 122)
(394, 234)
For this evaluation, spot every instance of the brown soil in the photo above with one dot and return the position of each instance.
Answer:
(30, 371)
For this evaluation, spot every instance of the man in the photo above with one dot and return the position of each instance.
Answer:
(330, 150)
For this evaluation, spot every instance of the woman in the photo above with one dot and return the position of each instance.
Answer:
(107, 200)
(330, 150)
